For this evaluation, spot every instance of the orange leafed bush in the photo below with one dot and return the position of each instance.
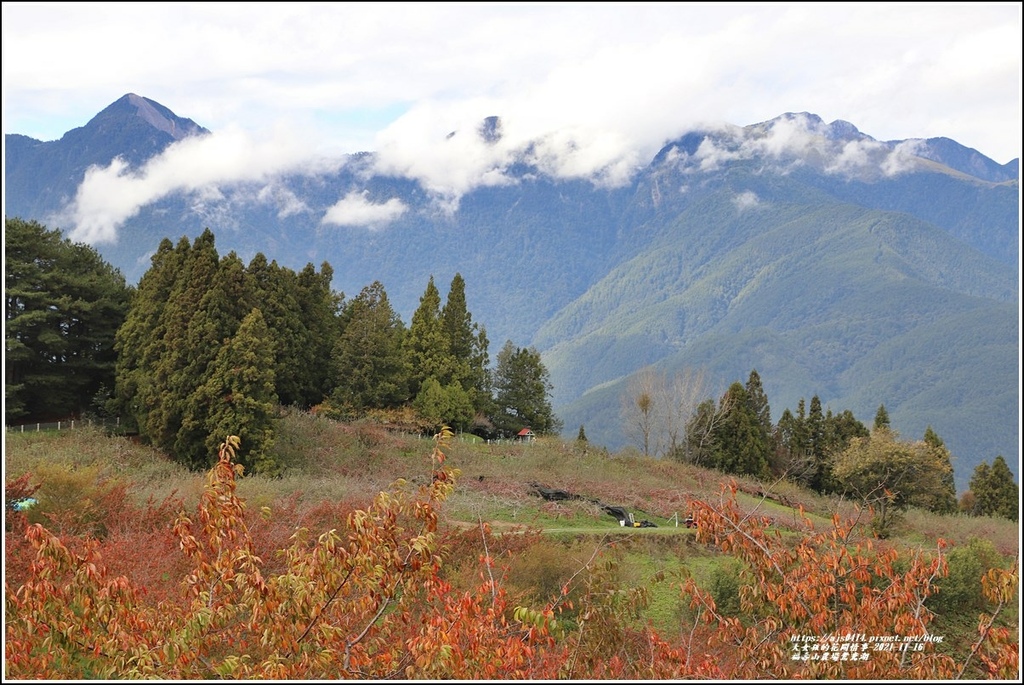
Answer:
(368, 598)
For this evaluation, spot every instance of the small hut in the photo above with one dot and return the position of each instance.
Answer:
(526, 435)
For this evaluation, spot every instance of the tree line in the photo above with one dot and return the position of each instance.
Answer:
(826, 452)
(206, 345)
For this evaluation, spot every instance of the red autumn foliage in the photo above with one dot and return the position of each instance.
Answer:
(230, 593)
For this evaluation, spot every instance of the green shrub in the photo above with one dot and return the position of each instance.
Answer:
(725, 586)
(960, 589)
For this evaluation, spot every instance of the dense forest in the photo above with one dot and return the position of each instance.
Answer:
(217, 367)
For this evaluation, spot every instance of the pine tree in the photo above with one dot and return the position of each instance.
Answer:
(523, 392)
(63, 307)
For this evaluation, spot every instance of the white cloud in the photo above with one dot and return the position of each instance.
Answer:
(109, 196)
(584, 90)
(902, 158)
(356, 210)
(746, 200)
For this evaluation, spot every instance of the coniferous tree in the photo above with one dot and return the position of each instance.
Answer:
(738, 445)
(458, 329)
(63, 307)
(979, 483)
(945, 501)
(300, 310)
(840, 429)
(369, 365)
(238, 397)
(993, 492)
(881, 418)
(822, 479)
(467, 346)
(275, 290)
(760, 410)
(140, 341)
(481, 378)
(425, 344)
(523, 392)
(212, 325)
(789, 458)
(188, 345)
(758, 400)
(320, 308)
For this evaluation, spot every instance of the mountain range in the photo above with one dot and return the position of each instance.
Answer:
(864, 272)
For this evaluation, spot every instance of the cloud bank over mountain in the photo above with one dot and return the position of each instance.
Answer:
(472, 153)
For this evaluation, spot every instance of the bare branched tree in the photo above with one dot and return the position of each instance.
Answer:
(640, 408)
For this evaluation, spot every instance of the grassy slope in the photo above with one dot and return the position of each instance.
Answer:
(339, 463)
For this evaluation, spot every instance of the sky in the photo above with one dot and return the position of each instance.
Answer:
(601, 86)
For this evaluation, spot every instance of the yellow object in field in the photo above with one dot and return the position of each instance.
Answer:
(636, 524)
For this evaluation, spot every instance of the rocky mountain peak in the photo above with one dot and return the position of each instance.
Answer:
(152, 113)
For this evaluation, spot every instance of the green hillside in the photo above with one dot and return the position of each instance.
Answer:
(833, 300)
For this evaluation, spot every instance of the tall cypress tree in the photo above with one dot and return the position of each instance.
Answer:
(995, 493)
(457, 322)
(140, 341)
(211, 326)
(738, 443)
(320, 308)
(238, 397)
(822, 479)
(276, 290)
(425, 345)
(177, 370)
(369, 364)
(945, 502)
(881, 419)
(757, 401)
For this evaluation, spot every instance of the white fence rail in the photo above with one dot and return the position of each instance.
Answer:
(70, 424)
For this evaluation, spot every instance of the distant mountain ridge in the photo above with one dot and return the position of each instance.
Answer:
(862, 271)
(41, 177)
